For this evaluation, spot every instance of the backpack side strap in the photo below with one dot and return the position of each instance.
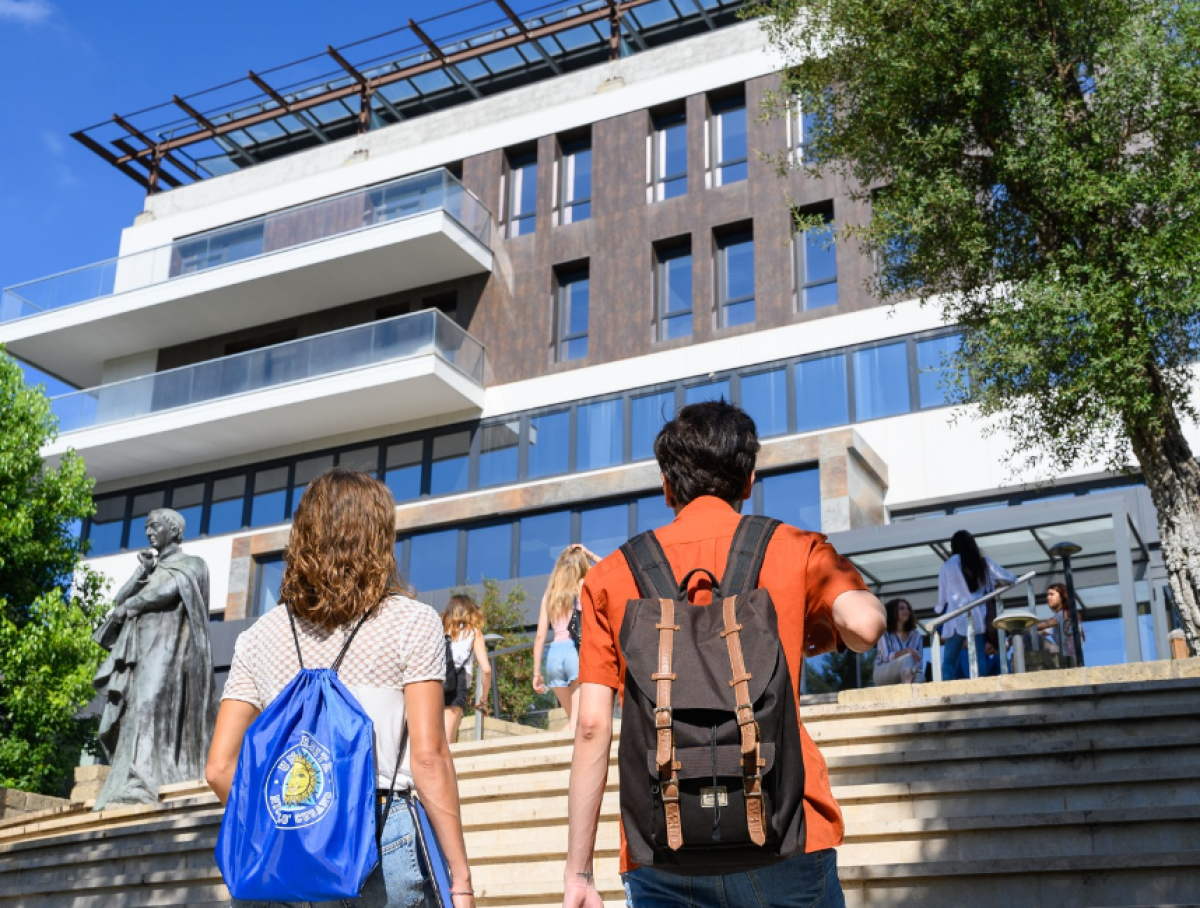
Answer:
(649, 566)
(664, 754)
(751, 762)
(746, 554)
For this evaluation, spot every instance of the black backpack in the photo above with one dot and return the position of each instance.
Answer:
(712, 771)
(450, 683)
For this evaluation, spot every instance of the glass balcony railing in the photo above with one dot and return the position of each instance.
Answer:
(361, 209)
(424, 333)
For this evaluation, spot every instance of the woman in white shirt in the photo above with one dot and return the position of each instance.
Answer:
(899, 655)
(462, 622)
(965, 576)
(340, 576)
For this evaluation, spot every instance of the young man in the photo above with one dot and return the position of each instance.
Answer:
(707, 456)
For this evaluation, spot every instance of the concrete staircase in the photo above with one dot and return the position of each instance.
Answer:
(981, 794)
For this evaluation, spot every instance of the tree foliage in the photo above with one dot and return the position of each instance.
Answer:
(47, 656)
(1032, 169)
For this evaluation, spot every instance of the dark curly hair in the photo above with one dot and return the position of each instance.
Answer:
(709, 448)
(341, 557)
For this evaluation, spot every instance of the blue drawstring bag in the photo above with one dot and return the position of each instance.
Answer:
(300, 825)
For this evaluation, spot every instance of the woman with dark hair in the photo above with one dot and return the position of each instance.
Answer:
(899, 655)
(1056, 598)
(340, 575)
(966, 575)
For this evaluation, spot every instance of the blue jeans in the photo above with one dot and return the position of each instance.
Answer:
(397, 884)
(805, 881)
(956, 659)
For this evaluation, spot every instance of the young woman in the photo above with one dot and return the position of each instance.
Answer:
(965, 576)
(899, 657)
(558, 605)
(340, 566)
(462, 623)
(1056, 598)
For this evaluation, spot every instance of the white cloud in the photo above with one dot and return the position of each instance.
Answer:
(27, 12)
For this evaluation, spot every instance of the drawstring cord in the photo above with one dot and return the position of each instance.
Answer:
(716, 833)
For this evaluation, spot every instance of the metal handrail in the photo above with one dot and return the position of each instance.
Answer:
(495, 692)
(934, 625)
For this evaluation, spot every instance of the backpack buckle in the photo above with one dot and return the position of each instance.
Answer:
(660, 711)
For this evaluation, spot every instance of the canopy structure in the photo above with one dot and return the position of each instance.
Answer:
(1118, 574)
(452, 58)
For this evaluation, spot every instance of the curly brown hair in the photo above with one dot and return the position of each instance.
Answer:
(341, 557)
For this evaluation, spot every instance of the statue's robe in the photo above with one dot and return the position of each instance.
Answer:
(157, 683)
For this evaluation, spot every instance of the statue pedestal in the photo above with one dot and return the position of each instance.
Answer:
(88, 780)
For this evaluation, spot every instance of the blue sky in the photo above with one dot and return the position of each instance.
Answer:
(67, 64)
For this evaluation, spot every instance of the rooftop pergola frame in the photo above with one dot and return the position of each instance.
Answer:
(455, 57)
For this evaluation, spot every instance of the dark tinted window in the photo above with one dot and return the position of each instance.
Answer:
(433, 560)
(489, 552)
(543, 537)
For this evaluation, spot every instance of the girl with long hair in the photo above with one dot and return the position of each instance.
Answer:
(1056, 598)
(966, 575)
(340, 574)
(558, 605)
(462, 623)
(899, 656)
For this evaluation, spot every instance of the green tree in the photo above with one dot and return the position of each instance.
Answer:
(47, 657)
(1032, 169)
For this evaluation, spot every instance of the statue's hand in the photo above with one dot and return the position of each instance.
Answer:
(147, 560)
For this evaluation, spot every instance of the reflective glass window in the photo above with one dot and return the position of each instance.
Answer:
(821, 399)
(933, 356)
(735, 279)
(225, 514)
(143, 504)
(713, 390)
(270, 497)
(269, 572)
(489, 552)
(673, 290)
(549, 443)
(364, 460)
(881, 381)
(817, 267)
(522, 194)
(764, 397)
(402, 470)
(498, 447)
(652, 512)
(650, 413)
(794, 498)
(729, 140)
(573, 295)
(670, 155)
(604, 529)
(575, 190)
(600, 434)
(305, 472)
(433, 560)
(451, 458)
(543, 537)
(106, 526)
(189, 502)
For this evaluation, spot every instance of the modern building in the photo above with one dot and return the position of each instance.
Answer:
(487, 266)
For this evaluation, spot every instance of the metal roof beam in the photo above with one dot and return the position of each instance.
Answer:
(704, 15)
(537, 45)
(148, 165)
(282, 102)
(142, 137)
(437, 52)
(211, 127)
(88, 142)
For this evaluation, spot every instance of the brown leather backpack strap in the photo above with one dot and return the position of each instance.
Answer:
(664, 754)
(751, 762)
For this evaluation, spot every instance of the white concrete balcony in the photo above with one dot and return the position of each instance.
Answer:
(411, 232)
(385, 373)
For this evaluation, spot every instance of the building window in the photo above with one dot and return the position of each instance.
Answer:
(821, 393)
(543, 537)
(668, 156)
(106, 526)
(268, 504)
(881, 381)
(933, 355)
(489, 552)
(498, 449)
(764, 397)
(816, 265)
(793, 497)
(801, 124)
(605, 528)
(268, 571)
(402, 469)
(599, 434)
(575, 181)
(673, 289)
(573, 293)
(188, 501)
(450, 466)
(549, 443)
(709, 391)
(729, 147)
(433, 560)
(228, 502)
(735, 278)
(650, 413)
(520, 203)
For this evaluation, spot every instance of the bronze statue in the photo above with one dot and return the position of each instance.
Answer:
(157, 682)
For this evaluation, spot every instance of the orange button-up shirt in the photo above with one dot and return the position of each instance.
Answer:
(803, 574)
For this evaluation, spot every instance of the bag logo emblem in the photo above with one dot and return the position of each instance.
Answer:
(299, 788)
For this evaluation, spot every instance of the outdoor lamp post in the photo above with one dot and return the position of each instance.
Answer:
(1065, 550)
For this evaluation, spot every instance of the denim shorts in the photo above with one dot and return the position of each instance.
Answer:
(398, 884)
(562, 664)
(805, 881)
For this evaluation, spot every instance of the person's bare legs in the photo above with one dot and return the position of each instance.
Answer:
(453, 717)
(568, 699)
